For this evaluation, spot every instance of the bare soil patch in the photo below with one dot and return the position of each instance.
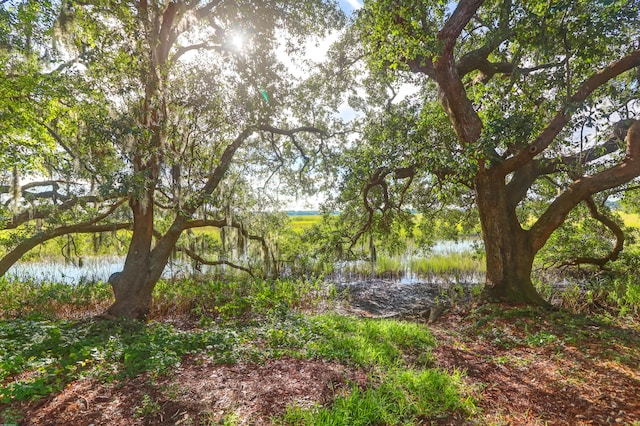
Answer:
(199, 392)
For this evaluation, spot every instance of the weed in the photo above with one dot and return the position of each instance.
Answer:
(148, 407)
(11, 417)
(541, 338)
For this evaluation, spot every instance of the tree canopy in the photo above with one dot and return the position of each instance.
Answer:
(542, 98)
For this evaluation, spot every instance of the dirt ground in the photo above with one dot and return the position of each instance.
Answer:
(592, 382)
(199, 392)
(547, 384)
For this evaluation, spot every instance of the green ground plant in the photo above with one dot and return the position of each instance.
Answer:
(39, 356)
(55, 353)
(405, 397)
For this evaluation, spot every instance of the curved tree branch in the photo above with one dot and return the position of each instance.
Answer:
(617, 247)
(85, 227)
(42, 213)
(193, 255)
(524, 177)
(378, 179)
(584, 187)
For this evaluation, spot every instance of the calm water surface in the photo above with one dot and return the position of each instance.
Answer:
(100, 268)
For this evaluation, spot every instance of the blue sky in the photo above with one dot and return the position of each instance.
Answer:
(350, 5)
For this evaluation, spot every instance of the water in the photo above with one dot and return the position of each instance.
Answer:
(92, 269)
(100, 268)
(454, 246)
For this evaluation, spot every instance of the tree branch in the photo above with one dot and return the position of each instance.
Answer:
(84, 227)
(451, 30)
(617, 247)
(193, 255)
(563, 116)
(30, 215)
(207, 8)
(184, 49)
(584, 187)
(525, 176)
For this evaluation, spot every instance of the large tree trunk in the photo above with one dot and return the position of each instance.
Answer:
(509, 248)
(133, 286)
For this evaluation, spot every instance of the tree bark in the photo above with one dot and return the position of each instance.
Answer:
(509, 248)
(133, 286)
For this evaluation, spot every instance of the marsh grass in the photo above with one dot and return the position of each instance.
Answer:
(465, 262)
(299, 223)
(631, 220)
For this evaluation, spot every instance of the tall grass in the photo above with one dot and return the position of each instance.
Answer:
(438, 264)
(301, 222)
(198, 298)
(464, 262)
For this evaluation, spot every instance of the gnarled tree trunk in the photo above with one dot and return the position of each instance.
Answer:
(509, 248)
(132, 287)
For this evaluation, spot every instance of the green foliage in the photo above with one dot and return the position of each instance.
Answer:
(40, 356)
(486, 69)
(368, 342)
(54, 353)
(405, 397)
(579, 236)
(209, 298)
(387, 347)
(24, 298)
(147, 407)
(587, 290)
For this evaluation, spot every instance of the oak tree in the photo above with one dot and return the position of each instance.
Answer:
(538, 94)
(196, 91)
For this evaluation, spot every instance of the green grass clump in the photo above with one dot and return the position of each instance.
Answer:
(369, 342)
(465, 262)
(403, 390)
(405, 397)
(360, 342)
